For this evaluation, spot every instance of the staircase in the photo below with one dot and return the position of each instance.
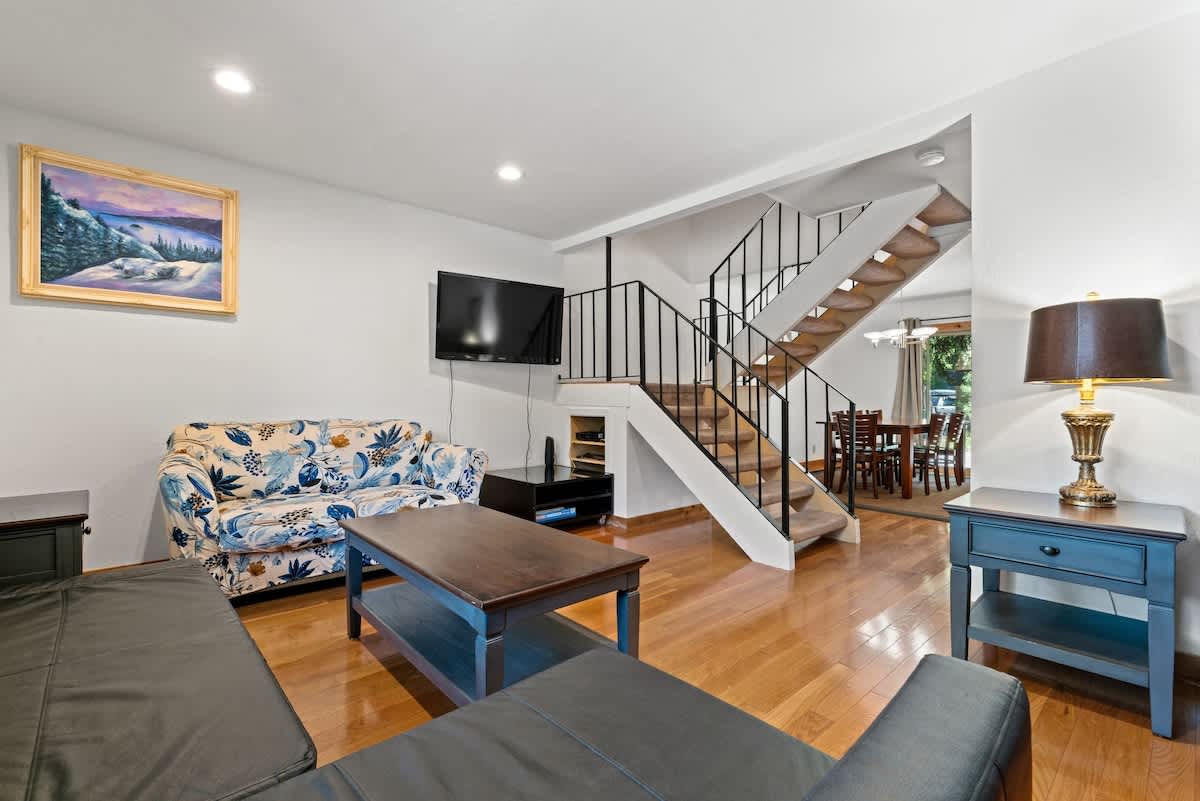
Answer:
(888, 243)
(715, 395)
(728, 443)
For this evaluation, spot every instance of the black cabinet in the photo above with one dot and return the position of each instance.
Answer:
(41, 536)
(532, 493)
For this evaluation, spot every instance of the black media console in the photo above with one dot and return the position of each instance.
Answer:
(554, 496)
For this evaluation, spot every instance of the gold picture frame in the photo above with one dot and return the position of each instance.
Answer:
(120, 235)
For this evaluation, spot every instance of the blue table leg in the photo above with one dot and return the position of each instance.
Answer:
(960, 609)
(629, 608)
(1161, 624)
(991, 579)
(353, 590)
(489, 664)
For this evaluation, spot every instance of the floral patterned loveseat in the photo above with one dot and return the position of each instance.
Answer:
(259, 503)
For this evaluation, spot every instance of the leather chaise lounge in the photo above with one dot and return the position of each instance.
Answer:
(142, 685)
(138, 685)
(603, 727)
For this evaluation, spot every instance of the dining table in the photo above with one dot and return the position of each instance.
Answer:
(904, 432)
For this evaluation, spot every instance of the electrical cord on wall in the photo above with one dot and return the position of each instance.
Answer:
(450, 424)
(528, 414)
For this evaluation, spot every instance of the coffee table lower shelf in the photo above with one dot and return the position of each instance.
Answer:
(441, 645)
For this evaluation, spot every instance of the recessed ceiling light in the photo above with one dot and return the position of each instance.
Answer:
(233, 81)
(931, 156)
(509, 172)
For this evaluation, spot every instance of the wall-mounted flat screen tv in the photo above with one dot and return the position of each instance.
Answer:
(490, 320)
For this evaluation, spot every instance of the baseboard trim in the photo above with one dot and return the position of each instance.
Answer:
(683, 514)
(122, 567)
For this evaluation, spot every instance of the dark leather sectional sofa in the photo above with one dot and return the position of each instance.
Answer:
(142, 684)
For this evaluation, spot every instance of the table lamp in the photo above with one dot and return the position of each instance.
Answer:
(1088, 343)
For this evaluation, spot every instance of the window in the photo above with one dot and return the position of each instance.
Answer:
(948, 375)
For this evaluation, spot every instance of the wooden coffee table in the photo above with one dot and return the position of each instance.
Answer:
(476, 612)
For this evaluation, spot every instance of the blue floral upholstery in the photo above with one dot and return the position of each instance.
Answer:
(259, 503)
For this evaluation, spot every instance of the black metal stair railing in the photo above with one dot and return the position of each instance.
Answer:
(761, 351)
(628, 332)
(749, 287)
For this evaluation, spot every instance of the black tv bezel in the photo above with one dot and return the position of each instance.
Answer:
(458, 356)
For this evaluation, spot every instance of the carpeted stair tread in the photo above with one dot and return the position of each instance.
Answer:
(772, 491)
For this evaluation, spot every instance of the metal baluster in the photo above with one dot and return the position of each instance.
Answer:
(712, 317)
(594, 372)
(737, 450)
(608, 308)
(642, 334)
(744, 276)
(797, 244)
(761, 267)
(713, 378)
(570, 346)
(807, 424)
(852, 464)
(786, 476)
(677, 399)
(625, 304)
(779, 246)
(660, 339)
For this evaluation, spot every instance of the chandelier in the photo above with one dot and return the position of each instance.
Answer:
(903, 335)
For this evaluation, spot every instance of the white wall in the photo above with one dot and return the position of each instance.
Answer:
(1087, 177)
(334, 320)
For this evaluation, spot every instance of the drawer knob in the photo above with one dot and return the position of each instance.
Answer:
(1049, 550)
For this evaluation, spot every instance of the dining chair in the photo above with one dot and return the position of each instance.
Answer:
(868, 457)
(956, 429)
(925, 455)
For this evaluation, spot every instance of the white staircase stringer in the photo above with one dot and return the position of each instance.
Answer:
(753, 533)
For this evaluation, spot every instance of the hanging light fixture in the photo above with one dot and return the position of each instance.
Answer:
(902, 336)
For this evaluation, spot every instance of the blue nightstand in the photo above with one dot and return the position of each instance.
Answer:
(1128, 549)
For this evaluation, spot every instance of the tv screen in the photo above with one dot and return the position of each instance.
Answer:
(490, 320)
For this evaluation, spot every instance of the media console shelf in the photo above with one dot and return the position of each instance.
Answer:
(1127, 550)
(526, 492)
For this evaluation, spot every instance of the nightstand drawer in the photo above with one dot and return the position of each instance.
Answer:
(1102, 558)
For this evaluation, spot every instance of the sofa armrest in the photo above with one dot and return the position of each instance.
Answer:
(454, 468)
(189, 503)
(956, 731)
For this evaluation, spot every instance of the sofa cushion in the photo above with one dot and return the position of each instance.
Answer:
(263, 460)
(289, 521)
(599, 726)
(141, 685)
(384, 500)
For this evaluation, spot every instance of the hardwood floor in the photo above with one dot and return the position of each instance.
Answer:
(816, 653)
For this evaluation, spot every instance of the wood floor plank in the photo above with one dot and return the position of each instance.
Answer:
(817, 653)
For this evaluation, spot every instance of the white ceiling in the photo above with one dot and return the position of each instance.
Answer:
(884, 175)
(609, 106)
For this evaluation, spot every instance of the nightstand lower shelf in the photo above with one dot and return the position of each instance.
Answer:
(1098, 642)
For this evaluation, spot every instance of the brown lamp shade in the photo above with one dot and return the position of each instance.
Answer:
(1122, 339)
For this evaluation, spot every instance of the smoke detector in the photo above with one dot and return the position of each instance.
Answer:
(931, 156)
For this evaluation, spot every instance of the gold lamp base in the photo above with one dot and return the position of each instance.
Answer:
(1087, 426)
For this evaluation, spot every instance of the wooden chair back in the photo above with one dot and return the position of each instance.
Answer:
(937, 427)
(865, 430)
(954, 430)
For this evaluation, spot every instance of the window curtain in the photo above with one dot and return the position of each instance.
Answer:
(911, 403)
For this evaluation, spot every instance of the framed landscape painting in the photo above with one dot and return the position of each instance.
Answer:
(97, 232)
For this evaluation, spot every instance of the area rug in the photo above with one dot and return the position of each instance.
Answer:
(920, 505)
